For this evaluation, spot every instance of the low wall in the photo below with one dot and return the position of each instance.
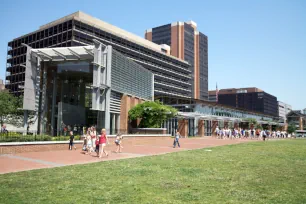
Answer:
(149, 131)
(43, 146)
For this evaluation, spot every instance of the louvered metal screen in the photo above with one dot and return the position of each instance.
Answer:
(128, 77)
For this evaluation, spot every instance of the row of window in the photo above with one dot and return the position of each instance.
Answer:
(42, 34)
(42, 43)
(110, 37)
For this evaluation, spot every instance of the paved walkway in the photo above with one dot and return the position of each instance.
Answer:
(133, 147)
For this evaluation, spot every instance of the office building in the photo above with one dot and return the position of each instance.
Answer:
(188, 44)
(297, 118)
(252, 98)
(172, 75)
(304, 111)
(283, 109)
(212, 96)
(77, 87)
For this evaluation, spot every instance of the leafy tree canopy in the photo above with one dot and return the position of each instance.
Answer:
(152, 114)
(9, 105)
(252, 121)
(291, 128)
(11, 110)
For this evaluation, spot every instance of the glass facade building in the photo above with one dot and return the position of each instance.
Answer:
(172, 75)
(74, 88)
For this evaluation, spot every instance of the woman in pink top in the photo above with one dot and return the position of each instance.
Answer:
(102, 143)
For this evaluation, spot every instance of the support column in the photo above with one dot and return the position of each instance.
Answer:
(183, 127)
(53, 104)
(201, 128)
(108, 90)
(301, 123)
(171, 126)
(118, 123)
(113, 131)
(196, 126)
(25, 122)
(124, 113)
(214, 126)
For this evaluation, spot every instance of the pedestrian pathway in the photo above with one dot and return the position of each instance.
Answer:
(132, 148)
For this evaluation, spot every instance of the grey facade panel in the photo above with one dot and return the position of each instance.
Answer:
(130, 78)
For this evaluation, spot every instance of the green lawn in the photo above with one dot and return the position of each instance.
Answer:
(257, 172)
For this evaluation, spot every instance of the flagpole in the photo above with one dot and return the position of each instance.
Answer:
(217, 93)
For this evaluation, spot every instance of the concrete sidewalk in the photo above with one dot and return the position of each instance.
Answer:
(132, 148)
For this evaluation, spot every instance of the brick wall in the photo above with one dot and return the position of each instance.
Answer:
(127, 102)
(201, 128)
(183, 127)
(34, 148)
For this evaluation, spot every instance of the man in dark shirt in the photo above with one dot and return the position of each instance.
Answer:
(71, 144)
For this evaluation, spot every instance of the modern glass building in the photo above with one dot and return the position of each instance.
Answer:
(172, 75)
(77, 87)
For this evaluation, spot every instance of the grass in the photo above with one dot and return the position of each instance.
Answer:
(258, 172)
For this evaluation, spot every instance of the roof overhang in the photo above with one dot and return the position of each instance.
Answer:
(64, 53)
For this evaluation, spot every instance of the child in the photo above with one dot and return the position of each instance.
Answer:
(89, 145)
(71, 141)
(176, 139)
(118, 142)
(84, 143)
(97, 146)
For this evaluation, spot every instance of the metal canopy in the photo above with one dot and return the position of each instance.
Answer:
(65, 53)
(221, 118)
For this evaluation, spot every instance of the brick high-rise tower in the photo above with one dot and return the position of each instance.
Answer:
(188, 44)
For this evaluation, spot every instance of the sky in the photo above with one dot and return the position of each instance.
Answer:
(258, 43)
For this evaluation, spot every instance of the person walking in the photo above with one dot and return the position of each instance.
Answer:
(263, 134)
(217, 132)
(176, 139)
(102, 143)
(93, 135)
(89, 145)
(71, 141)
(118, 142)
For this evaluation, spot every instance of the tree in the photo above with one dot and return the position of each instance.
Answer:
(152, 114)
(8, 105)
(291, 128)
(252, 121)
(11, 110)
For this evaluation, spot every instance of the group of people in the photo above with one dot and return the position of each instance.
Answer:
(92, 142)
(227, 133)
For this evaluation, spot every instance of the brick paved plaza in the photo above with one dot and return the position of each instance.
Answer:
(133, 147)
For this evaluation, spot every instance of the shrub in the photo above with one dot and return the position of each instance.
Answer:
(19, 137)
